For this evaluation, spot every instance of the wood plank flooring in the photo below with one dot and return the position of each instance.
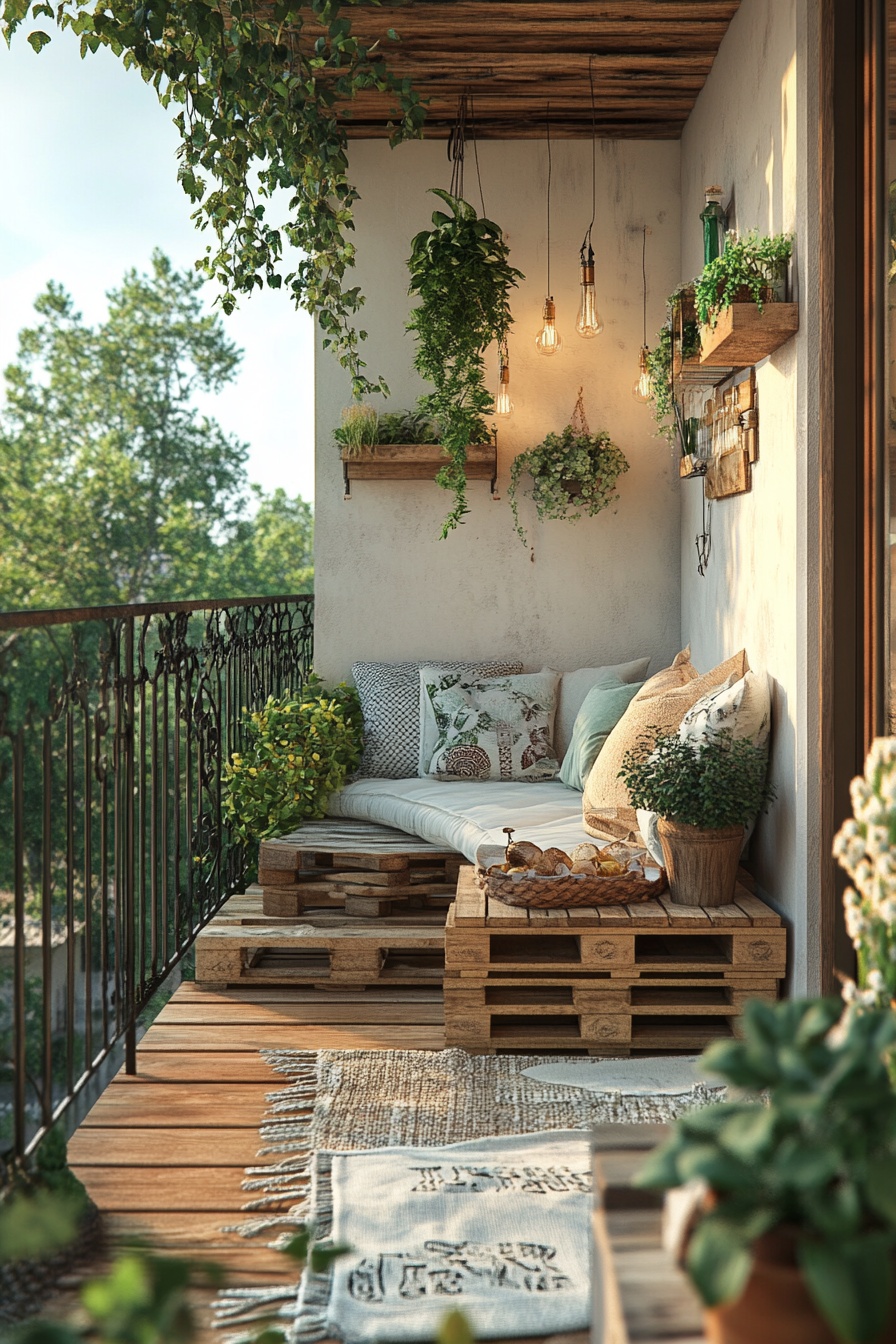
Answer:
(163, 1152)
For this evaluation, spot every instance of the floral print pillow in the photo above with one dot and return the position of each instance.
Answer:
(493, 727)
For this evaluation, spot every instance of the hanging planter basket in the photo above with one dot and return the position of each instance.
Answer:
(573, 473)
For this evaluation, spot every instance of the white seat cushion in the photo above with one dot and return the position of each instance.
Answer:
(466, 816)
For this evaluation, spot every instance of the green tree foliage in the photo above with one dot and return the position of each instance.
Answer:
(115, 488)
(262, 94)
(271, 553)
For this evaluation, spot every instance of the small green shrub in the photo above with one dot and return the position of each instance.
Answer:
(299, 750)
(751, 263)
(714, 783)
(572, 474)
(666, 410)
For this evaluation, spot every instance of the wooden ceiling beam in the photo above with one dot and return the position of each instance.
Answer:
(516, 130)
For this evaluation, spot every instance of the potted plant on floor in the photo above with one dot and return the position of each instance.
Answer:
(705, 794)
(796, 1242)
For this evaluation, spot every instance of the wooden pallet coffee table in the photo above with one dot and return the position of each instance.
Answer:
(654, 976)
(358, 866)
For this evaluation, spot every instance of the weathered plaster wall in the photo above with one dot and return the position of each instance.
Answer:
(601, 590)
(749, 132)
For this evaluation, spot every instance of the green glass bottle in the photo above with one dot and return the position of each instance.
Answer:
(714, 221)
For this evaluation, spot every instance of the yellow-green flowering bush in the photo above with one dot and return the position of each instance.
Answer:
(299, 749)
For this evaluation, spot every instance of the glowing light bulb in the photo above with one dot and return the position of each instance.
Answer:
(643, 387)
(588, 322)
(503, 404)
(548, 341)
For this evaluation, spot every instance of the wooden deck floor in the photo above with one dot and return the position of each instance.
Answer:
(163, 1153)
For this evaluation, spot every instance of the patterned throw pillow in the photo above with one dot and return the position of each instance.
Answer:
(493, 727)
(390, 703)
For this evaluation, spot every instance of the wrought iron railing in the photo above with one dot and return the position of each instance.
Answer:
(115, 723)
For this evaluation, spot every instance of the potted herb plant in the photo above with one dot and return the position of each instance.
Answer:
(796, 1243)
(573, 472)
(704, 794)
(751, 269)
(461, 274)
(358, 429)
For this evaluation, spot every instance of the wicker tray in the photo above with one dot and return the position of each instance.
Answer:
(564, 892)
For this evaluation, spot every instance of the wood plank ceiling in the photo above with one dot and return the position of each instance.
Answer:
(649, 60)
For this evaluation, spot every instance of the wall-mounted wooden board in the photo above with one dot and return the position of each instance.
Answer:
(730, 472)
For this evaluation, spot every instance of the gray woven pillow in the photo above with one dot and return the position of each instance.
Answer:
(390, 702)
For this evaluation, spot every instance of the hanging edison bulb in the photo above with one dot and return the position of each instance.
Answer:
(548, 341)
(588, 322)
(642, 388)
(503, 404)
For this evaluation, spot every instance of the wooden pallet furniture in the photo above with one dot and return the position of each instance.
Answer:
(358, 866)
(654, 976)
(242, 945)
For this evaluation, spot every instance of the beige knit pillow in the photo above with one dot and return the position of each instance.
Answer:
(662, 703)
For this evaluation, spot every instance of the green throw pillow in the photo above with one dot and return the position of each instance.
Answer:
(602, 708)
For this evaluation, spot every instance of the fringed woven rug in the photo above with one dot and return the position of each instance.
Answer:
(352, 1100)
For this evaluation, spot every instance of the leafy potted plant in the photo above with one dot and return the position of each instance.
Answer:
(704, 794)
(573, 472)
(751, 269)
(299, 749)
(796, 1243)
(461, 274)
(678, 344)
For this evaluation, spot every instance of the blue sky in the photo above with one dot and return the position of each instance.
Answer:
(87, 189)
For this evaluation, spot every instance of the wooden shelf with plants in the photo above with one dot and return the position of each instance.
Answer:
(743, 335)
(414, 462)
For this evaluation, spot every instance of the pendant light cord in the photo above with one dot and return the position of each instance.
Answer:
(586, 241)
(548, 127)
(644, 280)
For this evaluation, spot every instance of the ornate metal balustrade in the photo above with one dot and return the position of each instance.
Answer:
(115, 723)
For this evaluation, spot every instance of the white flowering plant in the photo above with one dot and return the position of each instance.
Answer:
(866, 847)
(573, 472)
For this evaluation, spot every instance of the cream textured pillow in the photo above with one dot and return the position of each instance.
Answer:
(662, 703)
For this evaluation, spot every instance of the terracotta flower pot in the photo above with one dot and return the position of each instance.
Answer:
(701, 865)
(776, 1307)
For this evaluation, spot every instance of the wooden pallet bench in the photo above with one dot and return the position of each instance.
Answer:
(656, 976)
(242, 945)
(358, 866)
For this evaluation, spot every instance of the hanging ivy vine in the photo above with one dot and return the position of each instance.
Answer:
(263, 94)
(460, 271)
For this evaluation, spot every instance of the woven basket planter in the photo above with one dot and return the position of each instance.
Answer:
(702, 865)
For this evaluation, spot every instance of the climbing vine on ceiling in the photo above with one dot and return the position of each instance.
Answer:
(263, 96)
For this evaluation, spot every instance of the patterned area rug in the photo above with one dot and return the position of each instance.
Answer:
(351, 1100)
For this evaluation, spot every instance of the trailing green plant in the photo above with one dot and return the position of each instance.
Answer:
(407, 427)
(299, 749)
(810, 1152)
(461, 274)
(750, 263)
(260, 92)
(358, 428)
(719, 781)
(671, 424)
(572, 473)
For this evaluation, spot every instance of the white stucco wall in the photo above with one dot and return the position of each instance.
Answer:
(749, 131)
(601, 590)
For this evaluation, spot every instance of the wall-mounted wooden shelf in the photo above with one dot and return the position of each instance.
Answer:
(415, 462)
(743, 336)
